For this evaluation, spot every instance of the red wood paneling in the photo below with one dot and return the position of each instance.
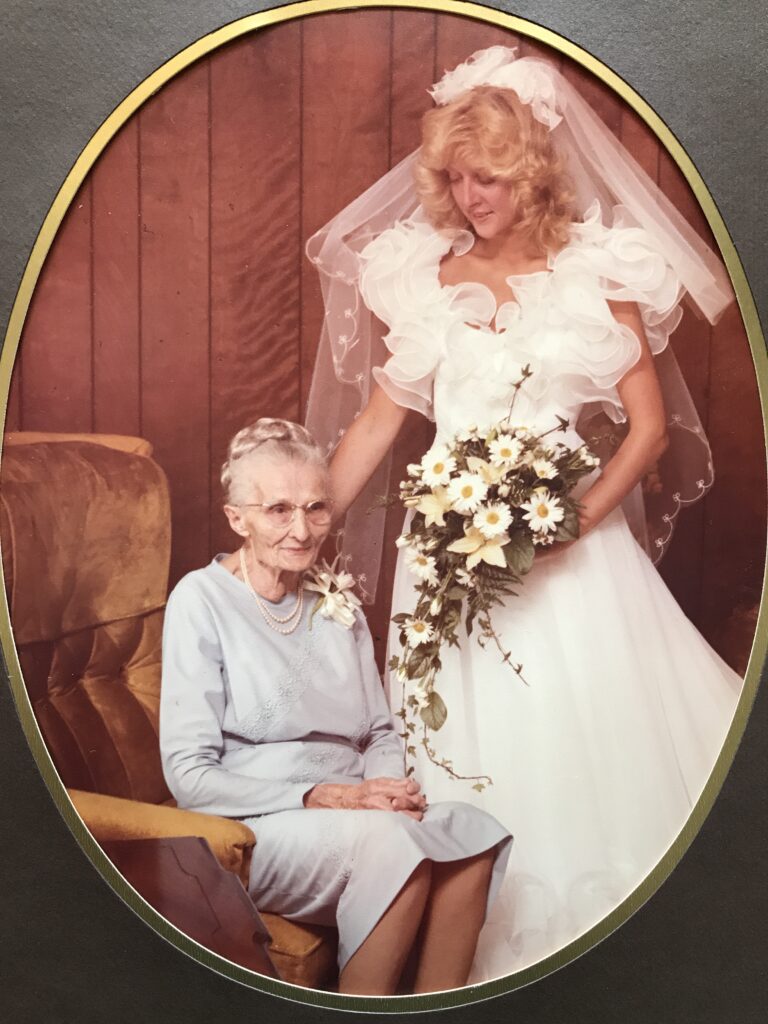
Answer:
(205, 313)
(13, 409)
(255, 241)
(413, 72)
(56, 383)
(639, 140)
(116, 353)
(458, 38)
(345, 134)
(175, 373)
(603, 100)
(735, 512)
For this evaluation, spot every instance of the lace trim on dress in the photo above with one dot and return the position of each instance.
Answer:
(288, 691)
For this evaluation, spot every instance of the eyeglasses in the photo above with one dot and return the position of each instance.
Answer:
(282, 513)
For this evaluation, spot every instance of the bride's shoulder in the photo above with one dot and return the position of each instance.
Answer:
(407, 243)
(456, 266)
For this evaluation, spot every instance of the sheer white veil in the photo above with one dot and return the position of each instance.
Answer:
(600, 169)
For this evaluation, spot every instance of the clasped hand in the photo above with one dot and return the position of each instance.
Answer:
(382, 794)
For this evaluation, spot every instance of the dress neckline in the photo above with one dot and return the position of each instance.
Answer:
(451, 290)
(216, 565)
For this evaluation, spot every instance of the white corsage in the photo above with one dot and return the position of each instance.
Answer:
(337, 600)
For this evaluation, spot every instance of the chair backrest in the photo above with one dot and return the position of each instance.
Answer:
(85, 534)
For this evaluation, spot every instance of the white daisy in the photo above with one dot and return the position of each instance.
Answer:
(437, 466)
(543, 512)
(414, 469)
(421, 565)
(437, 604)
(492, 520)
(544, 469)
(505, 450)
(418, 632)
(466, 492)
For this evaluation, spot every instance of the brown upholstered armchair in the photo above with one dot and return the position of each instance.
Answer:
(85, 533)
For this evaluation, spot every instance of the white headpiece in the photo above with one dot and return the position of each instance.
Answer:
(600, 169)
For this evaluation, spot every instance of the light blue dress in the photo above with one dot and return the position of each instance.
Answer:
(251, 720)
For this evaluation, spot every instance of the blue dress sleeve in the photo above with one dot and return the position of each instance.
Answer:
(192, 706)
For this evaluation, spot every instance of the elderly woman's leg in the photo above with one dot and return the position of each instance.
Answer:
(452, 920)
(376, 966)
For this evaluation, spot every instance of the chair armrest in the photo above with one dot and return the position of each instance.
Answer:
(109, 818)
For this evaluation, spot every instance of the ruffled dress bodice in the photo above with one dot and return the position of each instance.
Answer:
(455, 356)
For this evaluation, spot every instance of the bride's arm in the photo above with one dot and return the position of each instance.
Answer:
(646, 439)
(363, 447)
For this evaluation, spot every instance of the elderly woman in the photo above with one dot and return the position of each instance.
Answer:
(276, 716)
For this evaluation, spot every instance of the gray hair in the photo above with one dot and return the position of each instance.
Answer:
(276, 439)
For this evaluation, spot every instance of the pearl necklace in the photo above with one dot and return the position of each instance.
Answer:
(274, 622)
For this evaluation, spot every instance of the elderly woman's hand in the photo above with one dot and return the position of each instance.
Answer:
(374, 794)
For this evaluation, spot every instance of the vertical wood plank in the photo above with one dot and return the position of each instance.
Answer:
(174, 205)
(256, 245)
(56, 385)
(533, 48)
(116, 285)
(413, 63)
(345, 136)
(13, 420)
(639, 141)
(735, 519)
(605, 103)
(458, 38)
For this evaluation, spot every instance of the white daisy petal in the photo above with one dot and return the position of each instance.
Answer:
(418, 631)
(466, 491)
(437, 466)
(492, 520)
(543, 512)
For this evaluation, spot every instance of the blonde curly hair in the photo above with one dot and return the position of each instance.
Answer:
(492, 131)
(273, 438)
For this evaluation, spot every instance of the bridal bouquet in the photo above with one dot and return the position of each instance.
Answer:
(483, 503)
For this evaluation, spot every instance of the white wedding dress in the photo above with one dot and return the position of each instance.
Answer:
(598, 762)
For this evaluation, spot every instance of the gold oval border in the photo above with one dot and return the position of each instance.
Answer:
(82, 166)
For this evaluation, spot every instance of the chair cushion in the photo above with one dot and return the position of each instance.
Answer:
(304, 954)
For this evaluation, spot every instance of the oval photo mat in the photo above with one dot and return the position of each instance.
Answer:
(176, 273)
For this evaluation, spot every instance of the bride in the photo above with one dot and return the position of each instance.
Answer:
(522, 234)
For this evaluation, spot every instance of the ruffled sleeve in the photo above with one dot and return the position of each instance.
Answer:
(599, 265)
(400, 285)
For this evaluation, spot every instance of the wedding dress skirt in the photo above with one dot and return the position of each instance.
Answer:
(598, 761)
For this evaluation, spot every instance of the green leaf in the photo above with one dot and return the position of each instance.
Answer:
(568, 529)
(435, 713)
(400, 619)
(456, 593)
(519, 552)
